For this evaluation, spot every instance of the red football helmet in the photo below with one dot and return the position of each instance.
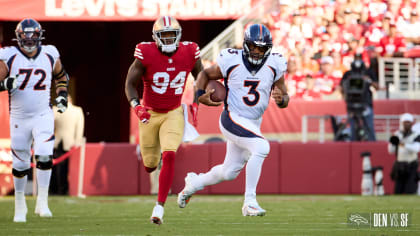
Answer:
(167, 33)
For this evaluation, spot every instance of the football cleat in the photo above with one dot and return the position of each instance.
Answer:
(41, 207)
(157, 215)
(252, 209)
(20, 208)
(43, 211)
(186, 193)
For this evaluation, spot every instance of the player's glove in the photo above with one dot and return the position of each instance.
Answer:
(194, 113)
(142, 114)
(61, 101)
(9, 83)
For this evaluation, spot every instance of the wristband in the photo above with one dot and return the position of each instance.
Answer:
(200, 92)
(63, 93)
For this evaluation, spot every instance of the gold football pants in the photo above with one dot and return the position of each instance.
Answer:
(163, 133)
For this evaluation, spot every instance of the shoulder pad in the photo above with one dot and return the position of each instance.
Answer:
(7, 52)
(229, 52)
(280, 61)
(51, 49)
(139, 50)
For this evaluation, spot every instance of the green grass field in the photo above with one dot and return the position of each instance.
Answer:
(209, 215)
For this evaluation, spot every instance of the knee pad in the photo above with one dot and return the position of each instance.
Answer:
(20, 173)
(44, 162)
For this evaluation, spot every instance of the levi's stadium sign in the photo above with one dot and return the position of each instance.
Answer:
(122, 10)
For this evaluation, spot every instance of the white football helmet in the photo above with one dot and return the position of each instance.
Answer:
(167, 24)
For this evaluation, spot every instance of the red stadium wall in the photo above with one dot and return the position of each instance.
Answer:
(289, 120)
(291, 168)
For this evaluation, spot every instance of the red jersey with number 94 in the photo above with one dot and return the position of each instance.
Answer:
(165, 77)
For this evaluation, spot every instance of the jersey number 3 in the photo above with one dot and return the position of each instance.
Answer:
(28, 73)
(161, 82)
(252, 91)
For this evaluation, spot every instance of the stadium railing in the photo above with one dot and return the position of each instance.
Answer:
(400, 77)
(384, 126)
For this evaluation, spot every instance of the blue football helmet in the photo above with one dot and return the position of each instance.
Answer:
(259, 36)
(29, 34)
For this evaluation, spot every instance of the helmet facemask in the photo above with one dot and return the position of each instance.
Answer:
(253, 57)
(29, 35)
(29, 41)
(167, 40)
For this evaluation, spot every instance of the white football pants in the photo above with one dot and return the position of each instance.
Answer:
(38, 130)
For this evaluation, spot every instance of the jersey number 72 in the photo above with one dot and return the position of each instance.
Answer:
(28, 74)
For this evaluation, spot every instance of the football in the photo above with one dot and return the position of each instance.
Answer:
(219, 90)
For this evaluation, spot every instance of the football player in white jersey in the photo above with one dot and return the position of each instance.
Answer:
(32, 67)
(249, 77)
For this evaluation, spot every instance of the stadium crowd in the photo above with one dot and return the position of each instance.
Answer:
(321, 38)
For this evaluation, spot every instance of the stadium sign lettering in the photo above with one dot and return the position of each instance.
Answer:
(139, 9)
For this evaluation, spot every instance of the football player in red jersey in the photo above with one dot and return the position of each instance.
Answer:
(162, 66)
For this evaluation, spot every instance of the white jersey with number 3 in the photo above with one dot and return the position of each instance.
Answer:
(34, 79)
(248, 91)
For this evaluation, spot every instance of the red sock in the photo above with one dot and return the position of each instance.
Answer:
(166, 176)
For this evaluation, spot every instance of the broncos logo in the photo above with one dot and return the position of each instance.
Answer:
(358, 219)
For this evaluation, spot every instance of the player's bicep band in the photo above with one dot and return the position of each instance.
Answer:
(59, 75)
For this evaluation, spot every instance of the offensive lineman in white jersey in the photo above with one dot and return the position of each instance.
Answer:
(31, 116)
(249, 76)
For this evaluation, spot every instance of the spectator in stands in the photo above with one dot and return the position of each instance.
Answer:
(325, 47)
(69, 127)
(410, 29)
(392, 45)
(350, 28)
(294, 76)
(376, 10)
(325, 81)
(405, 144)
(307, 89)
(309, 64)
(338, 66)
(355, 88)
